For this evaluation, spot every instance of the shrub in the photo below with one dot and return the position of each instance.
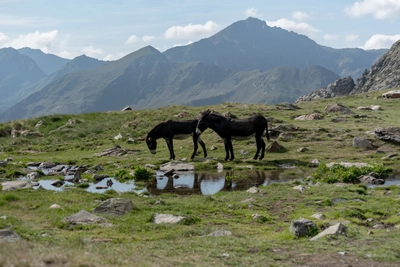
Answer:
(338, 173)
(142, 173)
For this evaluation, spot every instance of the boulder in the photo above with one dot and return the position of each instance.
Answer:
(302, 227)
(83, 217)
(169, 218)
(114, 206)
(337, 229)
(392, 94)
(361, 142)
(11, 185)
(176, 166)
(309, 117)
(9, 235)
(338, 108)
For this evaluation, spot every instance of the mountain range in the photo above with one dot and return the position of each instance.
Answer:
(246, 62)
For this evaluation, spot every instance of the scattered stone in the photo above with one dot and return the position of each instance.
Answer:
(150, 166)
(302, 149)
(244, 152)
(302, 227)
(252, 190)
(301, 188)
(390, 135)
(33, 175)
(12, 185)
(57, 183)
(115, 206)
(370, 179)
(177, 166)
(390, 156)
(116, 151)
(130, 141)
(219, 233)
(314, 162)
(83, 217)
(259, 218)
(213, 148)
(274, 147)
(3, 163)
(349, 164)
(286, 106)
(318, 216)
(117, 137)
(285, 137)
(127, 108)
(338, 119)
(99, 177)
(361, 142)
(337, 229)
(338, 108)
(309, 117)
(9, 235)
(47, 165)
(169, 218)
(55, 206)
(392, 94)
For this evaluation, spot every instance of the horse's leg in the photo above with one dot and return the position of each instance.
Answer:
(202, 146)
(226, 149)
(195, 146)
(262, 148)
(231, 149)
(170, 147)
(259, 145)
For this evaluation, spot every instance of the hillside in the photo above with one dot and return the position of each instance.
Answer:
(16, 73)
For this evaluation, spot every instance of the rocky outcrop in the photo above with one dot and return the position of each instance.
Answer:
(384, 74)
(339, 87)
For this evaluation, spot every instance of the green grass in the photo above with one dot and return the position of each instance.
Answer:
(134, 240)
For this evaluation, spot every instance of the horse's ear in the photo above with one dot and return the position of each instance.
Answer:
(208, 111)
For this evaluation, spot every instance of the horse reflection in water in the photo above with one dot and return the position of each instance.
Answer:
(204, 181)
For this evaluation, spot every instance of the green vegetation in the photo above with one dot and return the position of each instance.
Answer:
(262, 240)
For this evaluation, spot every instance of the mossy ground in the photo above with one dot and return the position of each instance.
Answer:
(135, 241)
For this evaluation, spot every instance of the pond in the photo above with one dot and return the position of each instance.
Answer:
(199, 182)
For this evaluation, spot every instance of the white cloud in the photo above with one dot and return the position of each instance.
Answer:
(300, 16)
(252, 12)
(90, 51)
(191, 30)
(132, 39)
(331, 37)
(378, 41)
(380, 9)
(3, 38)
(37, 40)
(148, 38)
(351, 37)
(290, 25)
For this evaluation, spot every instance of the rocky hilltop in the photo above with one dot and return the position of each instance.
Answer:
(339, 87)
(384, 74)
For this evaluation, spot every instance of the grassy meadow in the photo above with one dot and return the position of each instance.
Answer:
(370, 213)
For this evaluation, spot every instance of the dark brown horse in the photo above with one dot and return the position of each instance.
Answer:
(232, 129)
(170, 130)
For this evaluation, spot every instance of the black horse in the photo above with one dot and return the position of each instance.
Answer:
(170, 130)
(229, 129)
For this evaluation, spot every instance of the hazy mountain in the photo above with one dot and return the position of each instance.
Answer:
(17, 72)
(384, 74)
(251, 44)
(47, 62)
(146, 79)
(77, 64)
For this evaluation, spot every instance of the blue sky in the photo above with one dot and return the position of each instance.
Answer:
(109, 30)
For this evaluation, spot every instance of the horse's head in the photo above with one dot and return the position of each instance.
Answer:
(151, 144)
(202, 123)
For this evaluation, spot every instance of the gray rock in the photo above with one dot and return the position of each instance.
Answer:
(47, 165)
(3, 163)
(11, 185)
(9, 235)
(390, 135)
(33, 175)
(114, 206)
(361, 142)
(338, 108)
(337, 229)
(83, 217)
(302, 227)
(177, 166)
(318, 216)
(169, 218)
(309, 117)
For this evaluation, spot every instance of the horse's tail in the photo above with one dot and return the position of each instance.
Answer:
(266, 130)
